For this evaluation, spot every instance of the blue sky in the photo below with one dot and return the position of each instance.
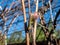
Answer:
(19, 24)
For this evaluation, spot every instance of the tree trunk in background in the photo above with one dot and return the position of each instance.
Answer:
(25, 24)
(35, 24)
(5, 39)
(34, 33)
(27, 38)
(59, 42)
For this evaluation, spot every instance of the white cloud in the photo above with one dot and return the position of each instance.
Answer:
(0, 8)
